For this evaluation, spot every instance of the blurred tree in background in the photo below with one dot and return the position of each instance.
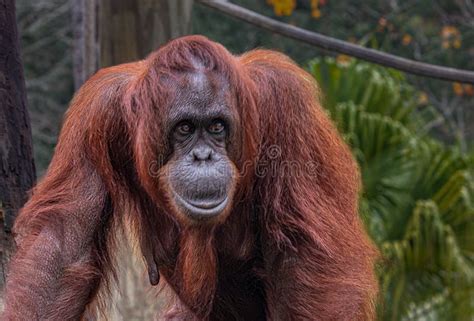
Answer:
(17, 169)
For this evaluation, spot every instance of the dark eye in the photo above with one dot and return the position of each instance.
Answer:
(185, 128)
(217, 127)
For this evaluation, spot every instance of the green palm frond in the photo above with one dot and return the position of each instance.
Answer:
(427, 266)
(378, 142)
(418, 195)
(377, 90)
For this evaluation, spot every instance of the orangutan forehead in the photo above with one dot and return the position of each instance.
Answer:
(200, 84)
(203, 83)
(202, 94)
(201, 88)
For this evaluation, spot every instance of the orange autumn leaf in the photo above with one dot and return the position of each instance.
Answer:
(423, 98)
(448, 31)
(343, 59)
(406, 40)
(458, 89)
(451, 37)
(283, 7)
(315, 11)
(468, 89)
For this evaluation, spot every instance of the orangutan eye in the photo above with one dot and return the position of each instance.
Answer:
(217, 127)
(185, 128)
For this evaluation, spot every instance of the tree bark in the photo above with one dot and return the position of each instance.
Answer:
(130, 30)
(85, 35)
(110, 32)
(17, 170)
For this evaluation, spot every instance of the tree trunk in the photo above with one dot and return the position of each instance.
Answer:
(17, 170)
(86, 37)
(130, 30)
(110, 32)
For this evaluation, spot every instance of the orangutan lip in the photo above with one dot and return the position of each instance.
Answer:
(202, 209)
(205, 205)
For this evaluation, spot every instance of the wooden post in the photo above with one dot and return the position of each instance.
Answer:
(130, 30)
(86, 40)
(17, 170)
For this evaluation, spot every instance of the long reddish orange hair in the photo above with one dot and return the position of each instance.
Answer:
(295, 213)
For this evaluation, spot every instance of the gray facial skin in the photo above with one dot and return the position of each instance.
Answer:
(200, 172)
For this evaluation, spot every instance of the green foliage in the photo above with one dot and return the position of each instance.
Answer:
(377, 90)
(418, 195)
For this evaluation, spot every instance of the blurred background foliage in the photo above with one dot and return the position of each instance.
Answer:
(418, 194)
(412, 136)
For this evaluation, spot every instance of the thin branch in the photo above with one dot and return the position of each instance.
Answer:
(344, 47)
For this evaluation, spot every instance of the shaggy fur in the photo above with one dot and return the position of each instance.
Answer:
(292, 246)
